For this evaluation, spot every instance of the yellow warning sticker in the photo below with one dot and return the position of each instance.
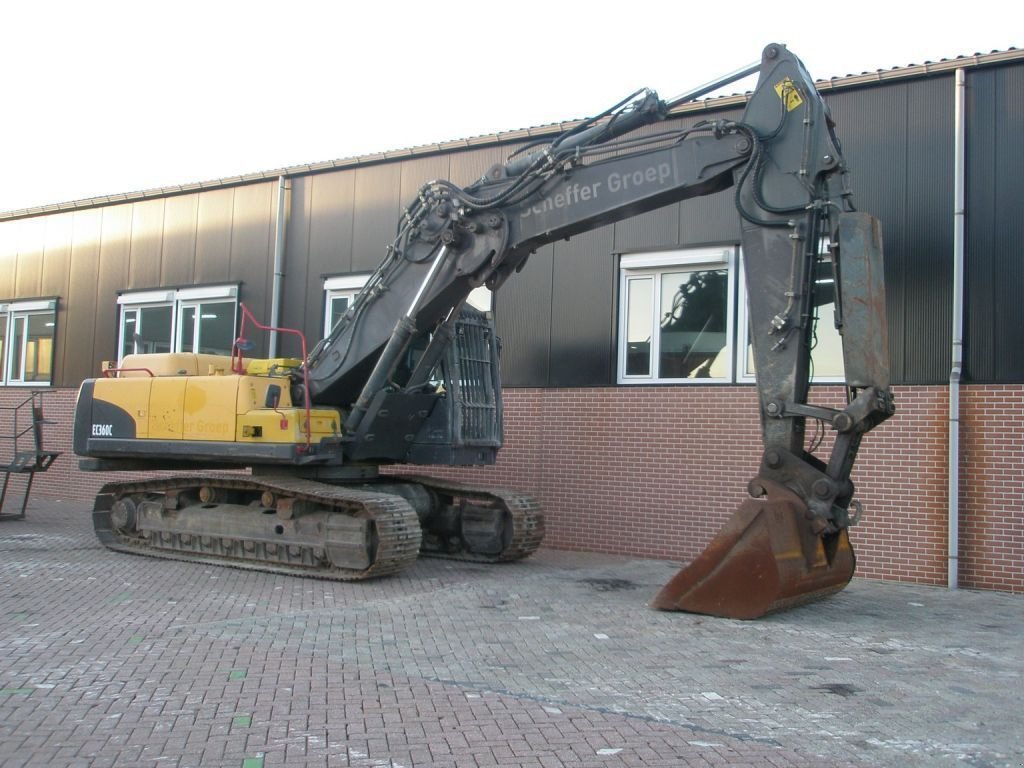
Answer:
(789, 94)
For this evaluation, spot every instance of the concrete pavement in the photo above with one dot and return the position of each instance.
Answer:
(113, 660)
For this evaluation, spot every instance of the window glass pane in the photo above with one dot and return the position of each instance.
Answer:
(187, 331)
(639, 314)
(39, 347)
(153, 333)
(3, 346)
(17, 344)
(336, 310)
(694, 322)
(216, 328)
(827, 350)
(129, 329)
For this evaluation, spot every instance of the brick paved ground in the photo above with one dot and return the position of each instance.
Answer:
(109, 659)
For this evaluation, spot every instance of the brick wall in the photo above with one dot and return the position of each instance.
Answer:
(655, 471)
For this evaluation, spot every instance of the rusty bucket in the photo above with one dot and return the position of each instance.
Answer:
(766, 558)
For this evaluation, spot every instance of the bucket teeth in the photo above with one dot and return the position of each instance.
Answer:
(766, 558)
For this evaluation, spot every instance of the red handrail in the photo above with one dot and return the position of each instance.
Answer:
(238, 367)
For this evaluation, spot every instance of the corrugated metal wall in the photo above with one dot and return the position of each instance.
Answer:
(557, 318)
(995, 225)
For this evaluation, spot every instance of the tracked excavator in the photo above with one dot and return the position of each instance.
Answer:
(410, 374)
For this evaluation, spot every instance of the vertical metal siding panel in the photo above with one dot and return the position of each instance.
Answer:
(377, 209)
(1009, 236)
(29, 271)
(983, 168)
(583, 311)
(872, 126)
(332, 218)
(657, 229)
(177, 265)
(56, 266)
(214, 210)
(252, 246)
(10, 235)
(929, 295)
(710, 219)
(112, 276)
(76, 324)
(416, 172)
(56, 255)
(146, 243)
(522, 312)
(295, 293)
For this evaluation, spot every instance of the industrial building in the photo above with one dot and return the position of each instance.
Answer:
(627, 452)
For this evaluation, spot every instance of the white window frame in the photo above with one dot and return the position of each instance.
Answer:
(177, 300)
(654, 266)
(826, 323)
(340, 287)
(20, 311)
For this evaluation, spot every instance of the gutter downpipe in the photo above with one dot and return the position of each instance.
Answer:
(956, 369)
(275, 290)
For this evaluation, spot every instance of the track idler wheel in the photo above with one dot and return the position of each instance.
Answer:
(766, 558)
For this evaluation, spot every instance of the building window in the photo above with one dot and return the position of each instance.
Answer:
(26, 342)
(826, 343)
(339, 292)
(676, 316)
(200, 320)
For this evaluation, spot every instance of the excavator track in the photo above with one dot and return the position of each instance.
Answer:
(486, 516)
(274, 524)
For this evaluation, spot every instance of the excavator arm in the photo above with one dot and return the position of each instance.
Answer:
(788, 543)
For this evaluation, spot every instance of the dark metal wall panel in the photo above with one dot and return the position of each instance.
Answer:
(981, 225)
(1008, 117)
(252, 245)
(54, 282)
(927, 307)
(584, 279)
(56, 255)
(296, 282)
(146, 244)
(995, 225)
(377, 204)
(177, 265)
(111, 277)
(77, 329)
(214, 210)
(657, 229)
(417, 172)
(331, 228)
(522, 313)
(28, 275)
(877, 160)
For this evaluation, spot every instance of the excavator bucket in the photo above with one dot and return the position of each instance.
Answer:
(766, 558)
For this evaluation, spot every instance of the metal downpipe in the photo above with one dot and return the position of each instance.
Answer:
(278, 280)
(956, 369)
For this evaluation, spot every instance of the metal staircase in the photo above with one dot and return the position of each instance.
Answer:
(21, 447)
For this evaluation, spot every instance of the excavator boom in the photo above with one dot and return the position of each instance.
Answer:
(788, 543)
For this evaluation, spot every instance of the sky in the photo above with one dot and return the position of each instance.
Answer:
(110, 96)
